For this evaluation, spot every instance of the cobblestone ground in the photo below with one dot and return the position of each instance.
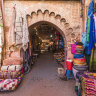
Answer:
(43, 81)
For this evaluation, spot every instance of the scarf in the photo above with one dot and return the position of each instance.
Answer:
(25, 38)
(11, 35)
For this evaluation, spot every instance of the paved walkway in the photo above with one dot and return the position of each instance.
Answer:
(43, 81)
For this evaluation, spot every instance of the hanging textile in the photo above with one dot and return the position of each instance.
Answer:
(11, 36)
(93, 53)
(95, 28)
(90, 28)
(1, 29)
(25, 38)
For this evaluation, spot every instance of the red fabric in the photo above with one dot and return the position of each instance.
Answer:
(57, 33)
(69, 65)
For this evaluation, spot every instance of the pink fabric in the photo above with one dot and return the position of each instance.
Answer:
(73, 48)
(95, 83)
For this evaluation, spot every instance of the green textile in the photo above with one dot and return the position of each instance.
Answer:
(92, 64)
(91, 60)
(88, 29)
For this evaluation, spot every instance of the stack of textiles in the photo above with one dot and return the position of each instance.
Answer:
(11, 74)
(60, 58)
(86, 84)
(79, 60)
(9, 80)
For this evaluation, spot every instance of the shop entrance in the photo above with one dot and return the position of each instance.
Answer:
(45, 38)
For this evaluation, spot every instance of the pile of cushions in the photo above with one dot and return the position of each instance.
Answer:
(60, 58)
(86, 84)
(79, 60)
(11, 74)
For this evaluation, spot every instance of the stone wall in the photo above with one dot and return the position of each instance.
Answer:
(67, 13)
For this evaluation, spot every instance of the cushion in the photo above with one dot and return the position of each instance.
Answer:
(12, 68)
(11, 74)
(8, 84)
(79, 61)
(18, 67)
(13, 61)
(4, 68)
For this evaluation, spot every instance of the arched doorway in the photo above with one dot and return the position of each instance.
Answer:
(55, 20)
(45, 69)
(54, 26)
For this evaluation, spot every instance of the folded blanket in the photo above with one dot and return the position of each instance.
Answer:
(80, 61)
(11, 74)
(9, 84)
(13, 61)
(11, 67)
(79, 52)
(80, 68)
(78, 56)
(88, 84)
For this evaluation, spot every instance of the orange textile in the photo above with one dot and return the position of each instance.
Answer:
(13, 61)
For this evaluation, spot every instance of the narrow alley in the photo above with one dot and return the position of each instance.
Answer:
(43, 80)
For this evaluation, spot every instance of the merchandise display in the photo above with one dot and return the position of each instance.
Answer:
(86, 84)
(9, 80)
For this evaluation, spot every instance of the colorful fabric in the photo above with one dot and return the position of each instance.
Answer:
(79, 61)
(88, 84)
(79, 51)
(79, 46)
(9, 80)
(8, 84)
(84, 40)
(25, 38)
(73, 48)
(80, 68)
(92, 64)
(91, 35)
(95, 28)
(11, 74)
(78, 56)
(90, 28)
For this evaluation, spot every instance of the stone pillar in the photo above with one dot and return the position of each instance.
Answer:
(1, 32)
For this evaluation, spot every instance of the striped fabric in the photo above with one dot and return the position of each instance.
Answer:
(90, 89)
(8, 84)
(9, 80)
(88, 83)
(79, 61)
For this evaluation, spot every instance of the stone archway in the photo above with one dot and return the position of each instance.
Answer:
(69, 33)
(59, 30)
(55, 20)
